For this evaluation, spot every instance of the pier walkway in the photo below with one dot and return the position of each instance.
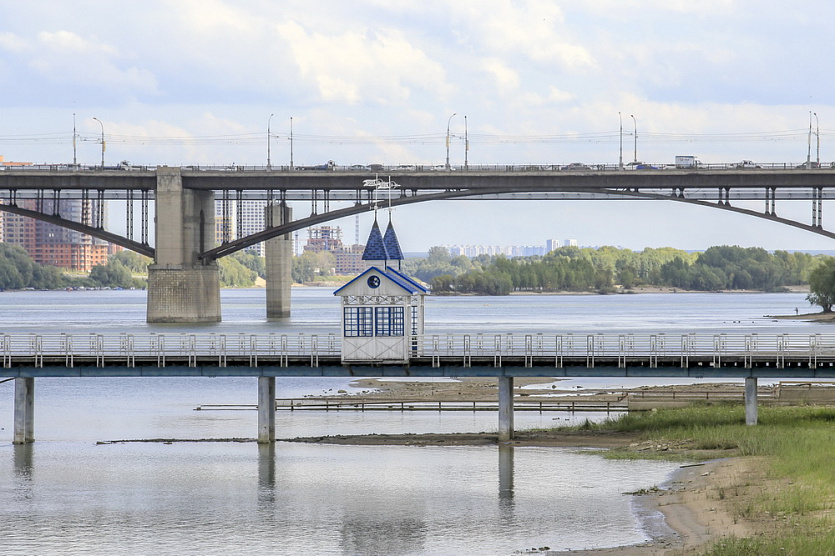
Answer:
(502, 356)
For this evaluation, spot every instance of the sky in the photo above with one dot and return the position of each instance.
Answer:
(184, 82)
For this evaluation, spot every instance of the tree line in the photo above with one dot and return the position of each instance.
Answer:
(125, 269)
(606, 269)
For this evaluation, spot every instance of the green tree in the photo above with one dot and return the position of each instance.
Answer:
(234, 274)
(114, 275)
(134, 262)
(822, 285)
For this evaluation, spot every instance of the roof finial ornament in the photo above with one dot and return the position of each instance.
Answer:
(378, 185)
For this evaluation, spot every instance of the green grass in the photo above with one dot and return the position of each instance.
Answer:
(796, 446)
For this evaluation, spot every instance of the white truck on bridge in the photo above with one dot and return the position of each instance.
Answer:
(683, 161)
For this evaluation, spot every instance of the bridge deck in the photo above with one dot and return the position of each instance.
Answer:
(491, 355)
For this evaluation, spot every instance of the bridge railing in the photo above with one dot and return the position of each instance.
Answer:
(162, 349)
(649, 349)
(220, 350)
(400, 168)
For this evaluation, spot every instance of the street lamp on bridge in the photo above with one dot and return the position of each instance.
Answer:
(269, 140)
(102, 140)
(818, 136)
(466, 144)
(634, 121)
(447, 140)
(620, 149)
(291, 142)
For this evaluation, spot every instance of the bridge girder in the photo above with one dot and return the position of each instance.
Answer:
(707, 188)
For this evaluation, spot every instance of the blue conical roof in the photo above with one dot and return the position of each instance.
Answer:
(392, 245)
(375, 248)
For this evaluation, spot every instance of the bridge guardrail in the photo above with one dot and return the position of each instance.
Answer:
(411, 168)
(192, 349)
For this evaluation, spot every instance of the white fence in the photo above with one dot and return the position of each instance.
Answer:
(456, 349)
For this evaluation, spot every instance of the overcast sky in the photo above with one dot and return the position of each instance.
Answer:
(184, 82)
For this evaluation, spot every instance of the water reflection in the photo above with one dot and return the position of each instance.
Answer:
(23, 461)
(506, 480)
(373, 530)
(266, 472)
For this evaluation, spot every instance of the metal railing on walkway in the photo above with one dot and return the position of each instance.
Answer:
(435, 350)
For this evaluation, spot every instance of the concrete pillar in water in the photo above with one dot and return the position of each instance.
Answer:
(505, 408)
(24, 410)
(181, 288)
(266, 409)
(750, 400)
(279, 263)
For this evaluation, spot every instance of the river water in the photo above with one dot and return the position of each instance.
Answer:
(68, 494)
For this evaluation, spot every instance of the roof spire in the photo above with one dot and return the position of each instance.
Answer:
(375, 247)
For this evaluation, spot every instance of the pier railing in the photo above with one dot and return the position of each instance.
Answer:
(435, 350)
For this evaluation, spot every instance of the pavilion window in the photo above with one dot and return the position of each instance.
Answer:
(389, 321)
(359, 321)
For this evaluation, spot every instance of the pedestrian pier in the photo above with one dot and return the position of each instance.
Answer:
(26, 357)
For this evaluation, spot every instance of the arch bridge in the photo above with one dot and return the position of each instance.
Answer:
(183, 281)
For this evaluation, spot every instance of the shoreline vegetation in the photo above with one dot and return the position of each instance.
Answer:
(740, 490)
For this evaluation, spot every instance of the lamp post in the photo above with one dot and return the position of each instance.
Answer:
(634, 121)
(620, 149)
(291, 143)
(447, 140)
(269, 162)
(818, 136)
(102, 140)
(466, 144)
(74, 135)
(809, 144)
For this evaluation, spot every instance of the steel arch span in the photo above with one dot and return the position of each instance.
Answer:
(497, 194)
(713, 199)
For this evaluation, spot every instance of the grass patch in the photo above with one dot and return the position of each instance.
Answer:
(792, 495)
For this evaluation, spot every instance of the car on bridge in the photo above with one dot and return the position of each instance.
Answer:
(576, 166)
(747, 164)
(642, 166)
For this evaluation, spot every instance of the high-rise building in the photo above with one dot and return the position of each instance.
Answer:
(53, 245)
(234, 221)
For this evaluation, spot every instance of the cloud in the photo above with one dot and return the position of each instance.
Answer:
(531, 30)
(63, 57)
(12, 43)
(378, 67)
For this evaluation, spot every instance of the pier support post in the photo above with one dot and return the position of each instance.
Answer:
(182, 288)
(505, 408)
(24, 410)
(278, 253)
(266, 409)
(750, 400)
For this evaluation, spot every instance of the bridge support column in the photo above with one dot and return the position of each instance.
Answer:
(266, 409)
(24, 410)
(750, 400)
(505, 408)
(279, 263)
(182, 288)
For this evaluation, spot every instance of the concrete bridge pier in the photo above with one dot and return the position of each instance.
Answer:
(266, 409)
(751, 400)
(24, 410)
(181, 288)
(505, 408)
(279, 263)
